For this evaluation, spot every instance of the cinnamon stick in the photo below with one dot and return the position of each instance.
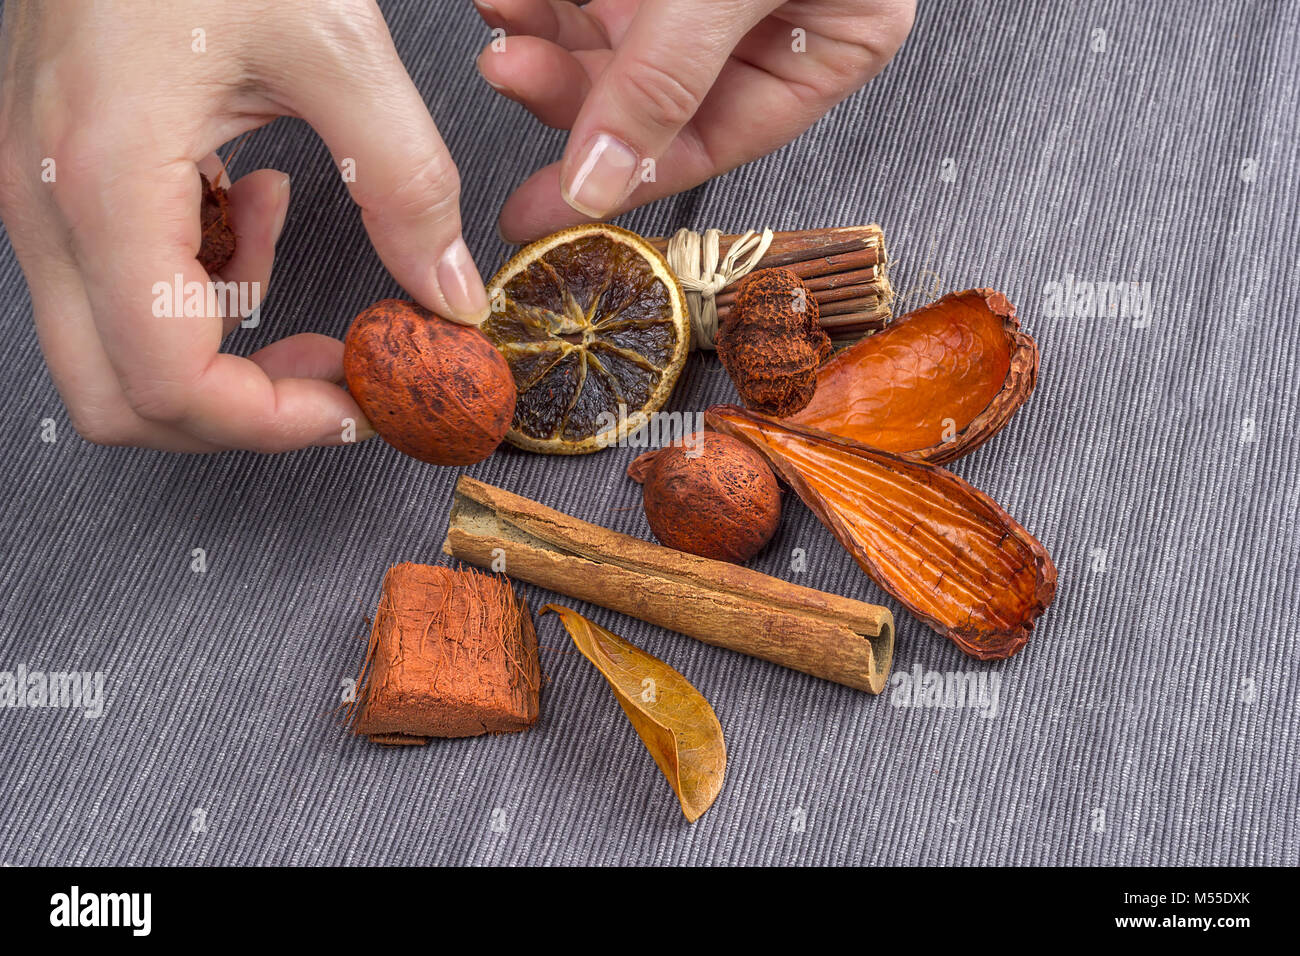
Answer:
(828, 636)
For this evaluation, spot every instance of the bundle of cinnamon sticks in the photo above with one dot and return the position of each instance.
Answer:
(846, 269)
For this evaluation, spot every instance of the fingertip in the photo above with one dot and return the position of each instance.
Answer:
(536, 209)
(546, 79)
(485, 63)
(599, 176)
(491, 16)
(351, 431)
(461, 285)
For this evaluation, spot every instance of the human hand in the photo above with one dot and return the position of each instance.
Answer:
(108, 110)
(677, 90)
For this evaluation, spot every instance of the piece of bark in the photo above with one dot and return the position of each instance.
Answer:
(452, 653)
(822, 634)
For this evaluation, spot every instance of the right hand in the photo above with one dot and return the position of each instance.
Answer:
(129, 111)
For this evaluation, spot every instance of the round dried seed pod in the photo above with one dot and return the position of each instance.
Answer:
(713, 496)
(434, 390)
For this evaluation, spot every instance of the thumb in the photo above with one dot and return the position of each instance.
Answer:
(665, 65)
(397, 169)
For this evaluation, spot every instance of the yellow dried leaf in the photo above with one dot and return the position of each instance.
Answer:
(673, 719)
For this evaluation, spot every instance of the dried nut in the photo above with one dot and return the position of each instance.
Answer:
(771, 342)
(434, 390)
(218, 238)
(719, 501)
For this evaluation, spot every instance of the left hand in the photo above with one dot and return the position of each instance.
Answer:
(661, 95)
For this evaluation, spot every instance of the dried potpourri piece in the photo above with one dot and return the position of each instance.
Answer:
(846, 268)
(945, 550)
(594, 327)
(671, 717)
(218, 236)
(716, 602)
(434, 390)
(451, 654)
(935, 385)
(713, 496)
(771, 342)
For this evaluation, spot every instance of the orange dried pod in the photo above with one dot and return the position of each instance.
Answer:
(434, 390)
(944, 549)
(935, 385)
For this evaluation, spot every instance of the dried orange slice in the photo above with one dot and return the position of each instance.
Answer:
(593, 324)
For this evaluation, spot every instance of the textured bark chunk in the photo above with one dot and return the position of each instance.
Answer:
(451, 654)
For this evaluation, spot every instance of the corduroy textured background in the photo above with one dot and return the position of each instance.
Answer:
(1152, 719)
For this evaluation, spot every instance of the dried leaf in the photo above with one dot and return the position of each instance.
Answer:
(672, 718)
(935, 385)
(945, 550)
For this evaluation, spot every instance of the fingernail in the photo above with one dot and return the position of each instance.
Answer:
(282, 210)
(496, 86)
(461, 285)
(602, 178)
(488, 13)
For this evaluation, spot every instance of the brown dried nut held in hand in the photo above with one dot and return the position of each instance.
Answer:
(451, 654)
(434, 390)
(935, 385)
(713, 496)
(218, 238)
(771, 342)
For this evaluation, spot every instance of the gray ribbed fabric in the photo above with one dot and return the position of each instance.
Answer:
(1152, 717)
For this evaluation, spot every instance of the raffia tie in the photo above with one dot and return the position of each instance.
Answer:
(694, 258)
